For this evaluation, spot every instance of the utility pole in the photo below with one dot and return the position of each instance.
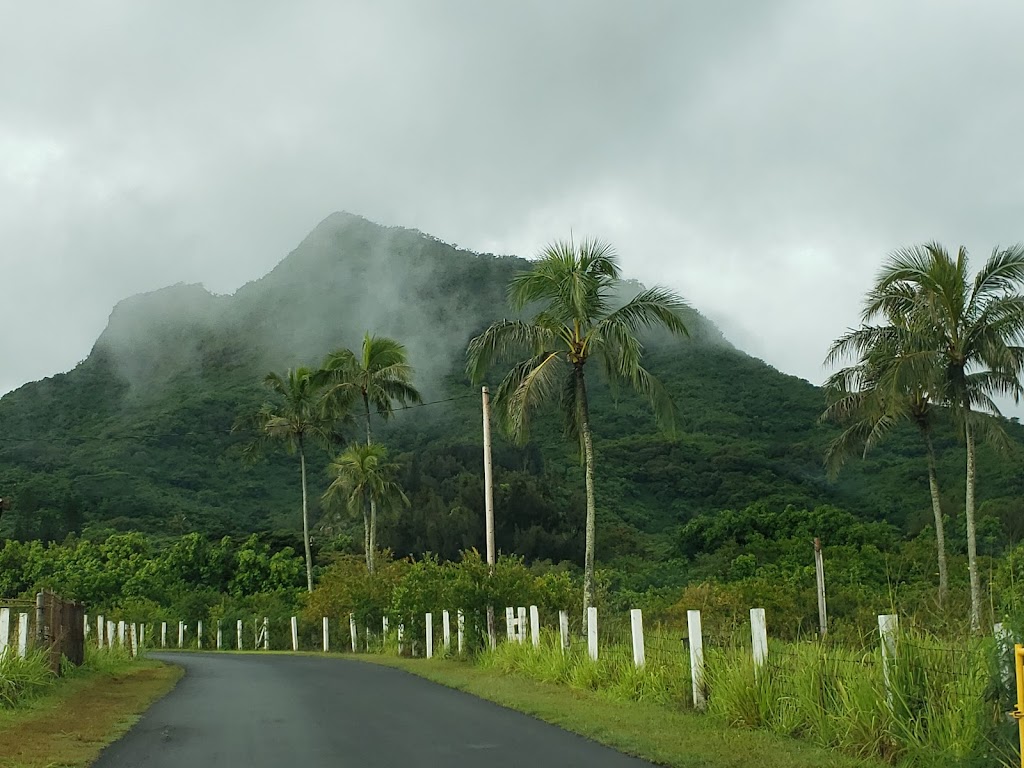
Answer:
(489, 507)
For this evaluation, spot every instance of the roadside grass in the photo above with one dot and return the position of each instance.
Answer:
(67, 722)
(647, 729)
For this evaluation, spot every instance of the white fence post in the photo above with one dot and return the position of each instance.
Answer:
(1004, 652)
(295, 633)
(23, 635)
(100, 625)
(220, 636)
(327, 636)
(888, 626)
(384, 628)
(696, 659)
(592, 632)
(163, 634)
(510, 622)
(563, 629)
(636, 625)
(85, 626)
(181, 633)
(758, 637)
(5, 630)
(238, 632)
(401, 639)
(352, 632)
(142, 634)
(199, 634)
(430, 635)
(111, 633)
(535, 626)
(521, 627)
(446, 630)
(134, 640)
(266, 634)
(120, 633)
(460, 628)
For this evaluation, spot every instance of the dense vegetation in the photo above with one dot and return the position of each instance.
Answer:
(138, 438)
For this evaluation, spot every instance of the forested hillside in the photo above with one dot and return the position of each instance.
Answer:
(138, 436)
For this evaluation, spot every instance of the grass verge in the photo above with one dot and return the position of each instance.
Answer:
(69, 725)
(663, 735)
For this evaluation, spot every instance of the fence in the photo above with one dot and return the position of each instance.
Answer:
(50, 624)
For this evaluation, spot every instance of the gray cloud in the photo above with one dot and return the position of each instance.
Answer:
(761, 158)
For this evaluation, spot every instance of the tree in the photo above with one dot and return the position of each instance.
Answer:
(573, 289)
(960, 337)
(296, 419)
(364, 480)
(379, 376)
(869, 402)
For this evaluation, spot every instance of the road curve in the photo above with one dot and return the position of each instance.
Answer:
(254, 711)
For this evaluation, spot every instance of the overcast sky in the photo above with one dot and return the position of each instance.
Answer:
(761, 158)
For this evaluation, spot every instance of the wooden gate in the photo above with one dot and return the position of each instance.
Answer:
(60, 630)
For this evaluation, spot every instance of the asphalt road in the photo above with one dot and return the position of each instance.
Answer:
(251, 711)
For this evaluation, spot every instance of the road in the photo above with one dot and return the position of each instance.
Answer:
(250, 711)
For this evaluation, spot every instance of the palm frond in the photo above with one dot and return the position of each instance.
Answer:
(525, 387)
(505, 341)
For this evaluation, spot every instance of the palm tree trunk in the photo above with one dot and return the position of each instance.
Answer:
(371, 528)
(972, 542)
(366, 538)
(940, 528)
(591, 529)
(305, 520)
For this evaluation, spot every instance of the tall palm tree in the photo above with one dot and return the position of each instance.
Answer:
(362, 477)
(573, 289)
(379, 377)
(869, 403)
(962, 334)
(296, 418)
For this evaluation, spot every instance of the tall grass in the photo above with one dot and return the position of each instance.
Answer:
(945, 703)
(24, 679)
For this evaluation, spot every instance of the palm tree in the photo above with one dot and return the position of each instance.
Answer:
(869, 403)
(573, 289)
(296, 419)
(963, 336)
(379, 376)
(363, 478)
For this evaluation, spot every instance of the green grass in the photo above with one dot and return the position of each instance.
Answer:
(665, 735)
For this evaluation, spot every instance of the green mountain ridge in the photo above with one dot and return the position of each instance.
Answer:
(138, 435)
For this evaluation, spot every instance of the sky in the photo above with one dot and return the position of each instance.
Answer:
(760, 158)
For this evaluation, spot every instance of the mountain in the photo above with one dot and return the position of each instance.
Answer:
(138, 436)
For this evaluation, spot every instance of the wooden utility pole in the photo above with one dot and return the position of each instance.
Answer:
(489, 507)
(819, 569)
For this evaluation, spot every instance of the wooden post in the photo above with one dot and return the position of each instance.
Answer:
(295, 633)
(120, 633)
(819, 571)
(22, 635)
(134, 639)
(695, 632)
(266, 634)
(199, 634)
(510, 623)
(535, 626)
(327, 636)
(384, 629)
(521, 627)
(592, 632)
(460, 627)
(430, 635)
(352, 632)
(758, 637)
(111, 633)
(888, 626)
(163, 634)
(220, 636)
(446, 630)
(85, 626)
(238, 632)
(100, 626)
(142, 634)
(563, 629)
(5, 630)
(181, 633)
(636, 625)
